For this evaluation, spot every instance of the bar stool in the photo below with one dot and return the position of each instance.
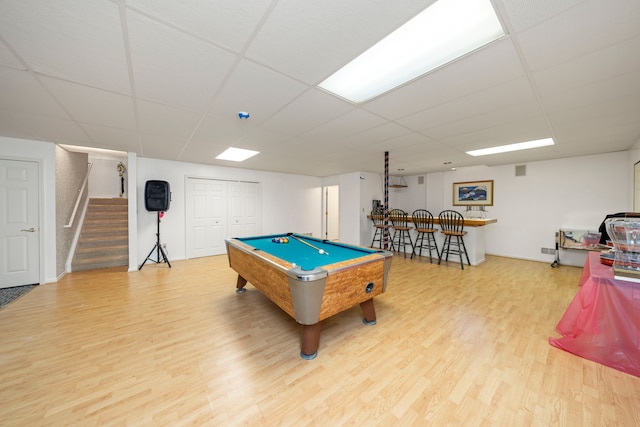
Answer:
(452, 225)
(423, 222)
(400, 225)
(380, 229)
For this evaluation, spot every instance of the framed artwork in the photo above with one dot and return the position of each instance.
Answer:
(474, 193)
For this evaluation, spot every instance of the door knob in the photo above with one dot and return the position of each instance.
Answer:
(30, 230)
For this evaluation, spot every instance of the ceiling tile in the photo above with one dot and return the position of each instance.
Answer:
(599, 120)
(223, 129)
(160, 146)
(173, 68)
(258, 90)
(112, 138)
(168, 124)
(347, 124)
(13, 125)
(587, 141)
(201, 151)
(488, 121)
(228, 23)
(311, 40)
(525, 13)
(56, 130)
(515, 131)
(568, 69)
(90, 105)
(470, 74)
(8, 59)
(533, 155)
(508, 98)
(615, 94)
(611, 62)
(380, 134)
(22, 93)
(80, 41)
(312, 109)
(579, 31)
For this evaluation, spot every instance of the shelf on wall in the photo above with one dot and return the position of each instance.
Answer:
(398, 182)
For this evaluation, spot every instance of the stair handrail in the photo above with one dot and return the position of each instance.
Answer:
(80, 193)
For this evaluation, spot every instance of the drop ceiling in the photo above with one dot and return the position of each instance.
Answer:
(166, 79)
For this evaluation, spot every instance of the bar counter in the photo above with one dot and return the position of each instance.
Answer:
(474, 239)
(468, 222)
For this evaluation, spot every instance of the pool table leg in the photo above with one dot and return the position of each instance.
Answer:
(240, 284)
(309, 341)
(369, 311)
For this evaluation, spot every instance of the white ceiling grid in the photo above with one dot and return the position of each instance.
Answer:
(166, 79)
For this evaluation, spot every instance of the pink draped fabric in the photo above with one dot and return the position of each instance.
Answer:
(602, 323)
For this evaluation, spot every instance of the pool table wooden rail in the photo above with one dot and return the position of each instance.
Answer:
(338, 292)
(312, 296)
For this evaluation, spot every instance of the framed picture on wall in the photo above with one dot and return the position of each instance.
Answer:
(474, 193)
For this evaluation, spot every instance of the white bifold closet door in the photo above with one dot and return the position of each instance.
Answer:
(216, 210)
(244, 209)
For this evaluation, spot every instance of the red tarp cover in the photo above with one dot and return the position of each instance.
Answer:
(602, 323)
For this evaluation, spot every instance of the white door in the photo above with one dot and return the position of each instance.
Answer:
(19, 223)
(206, 217)
(332, 212)
(245, 208)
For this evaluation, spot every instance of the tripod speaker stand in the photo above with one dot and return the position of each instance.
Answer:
(158, 248)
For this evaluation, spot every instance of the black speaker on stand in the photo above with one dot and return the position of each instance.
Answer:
(157, 195)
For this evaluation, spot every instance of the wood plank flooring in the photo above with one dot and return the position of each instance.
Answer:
(177, 346)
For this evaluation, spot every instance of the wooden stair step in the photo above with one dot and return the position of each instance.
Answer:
(106, 224)
(104, 236)
(93, 264)
(101, 251)
(108, 201)
(88, 256)
(102, 242)
(106, 214)
(102, 230)
(112, 221)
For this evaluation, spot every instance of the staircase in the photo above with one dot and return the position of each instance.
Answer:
(103, 241)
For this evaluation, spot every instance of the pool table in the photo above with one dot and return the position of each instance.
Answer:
(310, 279)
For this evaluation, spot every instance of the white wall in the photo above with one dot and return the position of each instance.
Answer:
(71, 171)
(132, 217)
(572, 192)
(104, 181)
(576, 192)
(633, 157)
(350, 187)
(290, 203)
(371, 188)
(44, 154)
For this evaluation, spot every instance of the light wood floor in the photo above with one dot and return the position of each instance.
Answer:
(177, 346)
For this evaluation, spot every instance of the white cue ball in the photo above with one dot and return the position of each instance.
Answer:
(321, 251)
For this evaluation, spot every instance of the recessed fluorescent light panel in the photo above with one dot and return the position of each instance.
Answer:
(512, 147)
(236, 154)
(446, 30)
